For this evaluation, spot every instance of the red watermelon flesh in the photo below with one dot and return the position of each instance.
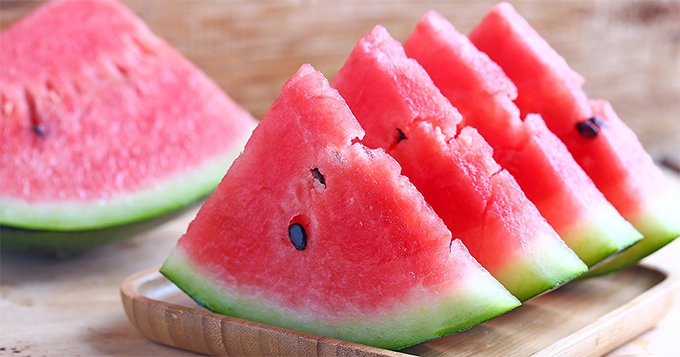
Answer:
(479, 202)
(539, 161)
(379, 267)
(606, 149)
(103, 123)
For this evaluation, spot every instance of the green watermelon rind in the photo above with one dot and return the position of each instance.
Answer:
(541, 270)
(67, 244)
(597, 230)
(600, 235)
(176, 192)
(659, 224)
(406, 325)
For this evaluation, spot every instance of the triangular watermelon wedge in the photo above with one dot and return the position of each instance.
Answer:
(313, 231)
(104, 128)
(607, 150)
(403, 112)
(539, 161)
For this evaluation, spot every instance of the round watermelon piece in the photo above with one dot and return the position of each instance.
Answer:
(104, 128)
(311, 230)
(405, 114)
(536, 158)
(603, 145)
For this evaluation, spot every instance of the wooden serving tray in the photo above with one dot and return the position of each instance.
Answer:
(582, 318)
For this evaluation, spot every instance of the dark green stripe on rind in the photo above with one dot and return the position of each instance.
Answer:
(408, 324)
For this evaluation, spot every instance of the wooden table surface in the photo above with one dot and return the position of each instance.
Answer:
(72, 307)
(628, 50)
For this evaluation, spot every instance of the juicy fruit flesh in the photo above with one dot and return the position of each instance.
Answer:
(378, 264)
(321, 214)
(477, 86)
(166, 196)
(480, 203)
(611, 155)
(529, 61)
(107, 132)
(501, 229)
(655, 213)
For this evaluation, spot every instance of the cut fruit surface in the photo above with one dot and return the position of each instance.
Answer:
(482, 204)
(313, 231)
(606, 149)
(104, 124)
(536, 158)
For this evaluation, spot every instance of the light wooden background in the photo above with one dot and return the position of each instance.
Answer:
(628, 50)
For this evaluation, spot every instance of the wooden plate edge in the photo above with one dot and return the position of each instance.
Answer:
(213, 334)
(622, 324)
(195, 330)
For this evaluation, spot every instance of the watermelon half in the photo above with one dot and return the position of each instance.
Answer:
(313, 231)
(102, 127)
(606, 149)
(539, 161)
(403, 112)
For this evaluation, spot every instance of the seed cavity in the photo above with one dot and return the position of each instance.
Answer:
(121, 70)
(400, 135)
(317, 175)
(298, 236)
(33, 115)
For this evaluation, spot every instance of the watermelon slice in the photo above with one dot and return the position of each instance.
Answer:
(312, 231)
(539, 161)
(103, 126)
(607, 150)
(404, 113)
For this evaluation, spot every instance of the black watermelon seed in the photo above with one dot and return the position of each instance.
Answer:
(400, 135)
(39, 130)
(317, 175)
(587, 129)
(298, 236)
(598, 121)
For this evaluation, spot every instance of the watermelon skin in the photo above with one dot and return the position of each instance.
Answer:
(539, 161)
(380, 268)
(614, 159)
(479, 201)
(103, 124)
(67, 244)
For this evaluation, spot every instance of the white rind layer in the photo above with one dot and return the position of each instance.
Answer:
(420, 314)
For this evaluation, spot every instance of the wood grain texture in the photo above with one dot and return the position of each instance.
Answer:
(584, 318)
(628, 50)
(163, 314)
